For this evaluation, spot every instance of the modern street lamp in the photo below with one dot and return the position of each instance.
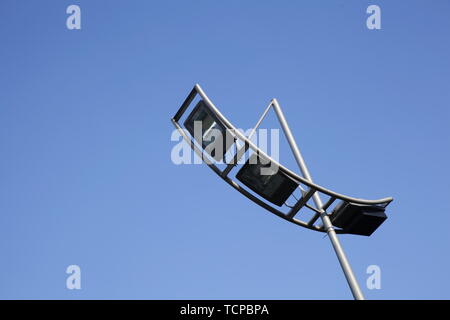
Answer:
(349, 216)
(275, 186)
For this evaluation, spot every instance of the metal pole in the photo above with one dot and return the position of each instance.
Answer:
(345, 265)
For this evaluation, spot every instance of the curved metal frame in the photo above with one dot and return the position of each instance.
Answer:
(308, 194)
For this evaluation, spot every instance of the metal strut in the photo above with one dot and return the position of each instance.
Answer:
(351, 279)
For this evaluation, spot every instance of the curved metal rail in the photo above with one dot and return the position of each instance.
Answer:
(306, 195)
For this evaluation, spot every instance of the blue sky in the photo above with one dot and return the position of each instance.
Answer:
(86, 174)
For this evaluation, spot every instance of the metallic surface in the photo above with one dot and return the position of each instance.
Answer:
(313, 191)
(348, 272)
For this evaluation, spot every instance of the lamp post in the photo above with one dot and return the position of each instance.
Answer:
(348, 272)
(350, 216)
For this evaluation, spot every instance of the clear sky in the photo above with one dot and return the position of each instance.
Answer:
(85, 171)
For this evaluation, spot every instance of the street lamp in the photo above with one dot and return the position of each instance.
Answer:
(350, 216)
(357, 218)
(274, 186)
(208, 124)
